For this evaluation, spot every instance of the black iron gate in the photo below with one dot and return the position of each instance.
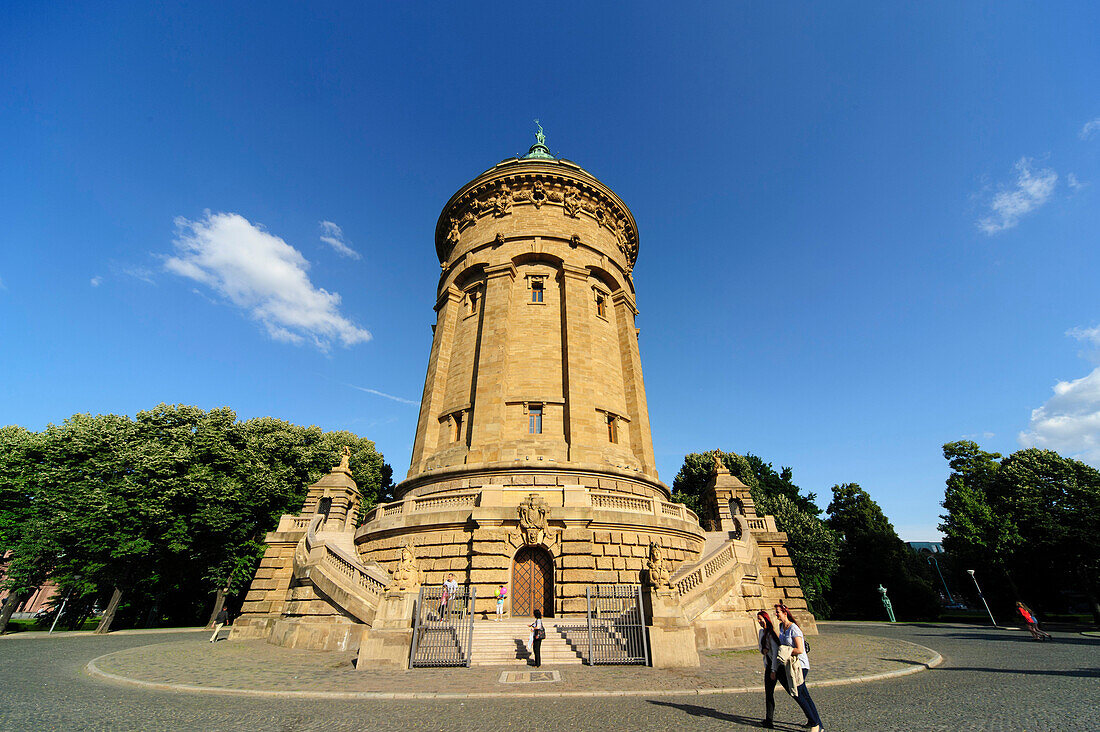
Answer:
(616, 625)
(443, 628)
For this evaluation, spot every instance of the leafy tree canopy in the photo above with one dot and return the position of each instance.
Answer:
(1008, 518)
(162, 509)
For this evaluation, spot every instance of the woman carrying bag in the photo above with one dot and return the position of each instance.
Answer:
(538, 634)
(791, 635)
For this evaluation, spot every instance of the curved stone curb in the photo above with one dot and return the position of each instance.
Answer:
(43, 634)
(93, 670)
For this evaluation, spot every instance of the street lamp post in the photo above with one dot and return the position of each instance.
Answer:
(971, 573)
(932, 560)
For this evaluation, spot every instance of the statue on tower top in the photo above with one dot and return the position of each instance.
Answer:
(539, 136)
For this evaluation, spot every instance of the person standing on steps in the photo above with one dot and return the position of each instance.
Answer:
(768, 642)
(791, 635)
(450, 587)
(538, 634)
(501, 593)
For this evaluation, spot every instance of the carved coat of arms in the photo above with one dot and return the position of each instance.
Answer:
(532, 519)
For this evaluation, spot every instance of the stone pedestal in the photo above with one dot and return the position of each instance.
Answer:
(388, 643)
(671, 636)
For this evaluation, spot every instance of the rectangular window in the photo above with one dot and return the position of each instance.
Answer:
(536, 290)
(612, 428)
(458, 426)
(534, 414)
(601, 305)
(472, 301)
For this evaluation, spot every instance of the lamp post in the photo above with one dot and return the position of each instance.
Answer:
(971, 573)
(932, 560)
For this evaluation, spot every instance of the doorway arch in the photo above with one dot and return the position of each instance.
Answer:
(532, 582)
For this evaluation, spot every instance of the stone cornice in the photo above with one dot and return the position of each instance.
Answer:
(553, 183)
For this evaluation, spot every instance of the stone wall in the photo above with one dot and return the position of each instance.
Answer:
(483, 557)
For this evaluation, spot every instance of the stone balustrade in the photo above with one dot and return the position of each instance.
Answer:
(601, 499)
(697, 577)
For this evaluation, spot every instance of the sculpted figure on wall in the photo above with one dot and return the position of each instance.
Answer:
(407, 575)
(572, 204)
(657, 569)
(502, 206)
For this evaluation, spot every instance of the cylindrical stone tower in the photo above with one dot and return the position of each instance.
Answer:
(535, 357)
(533, 443)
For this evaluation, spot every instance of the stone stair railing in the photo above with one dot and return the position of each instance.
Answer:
(353, 587)
(703, 584)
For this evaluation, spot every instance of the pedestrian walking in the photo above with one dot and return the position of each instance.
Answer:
(538, 634)
(501, 594)
(1032, 623)
(790, 635)
(768, 641)
(219, 622)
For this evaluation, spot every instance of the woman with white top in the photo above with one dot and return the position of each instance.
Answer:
(768, 642)
(791, 635)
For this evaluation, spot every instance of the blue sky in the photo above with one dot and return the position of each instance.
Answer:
(866, 229)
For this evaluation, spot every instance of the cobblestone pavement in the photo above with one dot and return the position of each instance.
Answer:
(990, 680)
(256, 665)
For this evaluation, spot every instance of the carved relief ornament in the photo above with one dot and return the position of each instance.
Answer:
(532, 519)
(407, 575)
(497, 198)
(658, 572)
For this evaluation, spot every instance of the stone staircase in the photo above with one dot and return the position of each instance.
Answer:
(504, 643)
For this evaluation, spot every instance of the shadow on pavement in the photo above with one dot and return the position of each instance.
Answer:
(699, 711)
(1018, 637)
(1077, 673)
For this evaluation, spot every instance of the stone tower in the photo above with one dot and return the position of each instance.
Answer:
(532, 464)
(534, 360)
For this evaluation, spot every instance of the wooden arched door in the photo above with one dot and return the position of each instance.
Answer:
(532, 582)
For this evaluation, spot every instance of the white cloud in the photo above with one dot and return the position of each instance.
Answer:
(984, 435)
(1069, 423)
(96, 281)
(383, 394)
(1073, 183)
(333, 235)
(262, 274)
(1086, 335)
(1032, 190)
(140, 273)
(1090, 127)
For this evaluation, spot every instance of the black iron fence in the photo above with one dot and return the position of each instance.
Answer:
(616, 625)
(443, 627)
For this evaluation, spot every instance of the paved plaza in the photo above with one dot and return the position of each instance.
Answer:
(988, 680)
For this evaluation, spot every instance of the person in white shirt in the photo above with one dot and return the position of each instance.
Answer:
(791, 635)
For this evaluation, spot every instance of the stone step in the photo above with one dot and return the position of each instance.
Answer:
(505, 643)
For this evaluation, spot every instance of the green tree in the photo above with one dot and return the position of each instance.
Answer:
(871, 554)
(154, 515)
